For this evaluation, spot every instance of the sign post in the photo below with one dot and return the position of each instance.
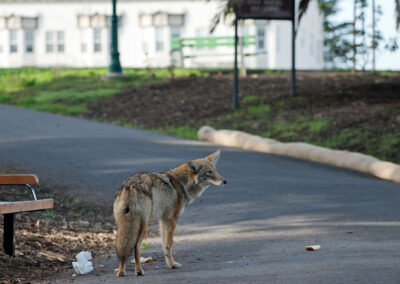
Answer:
(235, 70)
(293, 80)
(265, 10)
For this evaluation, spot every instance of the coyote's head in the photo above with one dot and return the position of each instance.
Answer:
(204, 171)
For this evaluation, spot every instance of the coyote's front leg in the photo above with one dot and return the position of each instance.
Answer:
(167, 228)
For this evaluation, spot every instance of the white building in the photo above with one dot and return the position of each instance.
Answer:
(77, 34)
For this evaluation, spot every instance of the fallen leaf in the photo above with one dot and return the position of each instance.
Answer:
(143, 260)
(317, 247)
(52, 256)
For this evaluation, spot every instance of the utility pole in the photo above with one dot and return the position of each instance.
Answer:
(115, 69)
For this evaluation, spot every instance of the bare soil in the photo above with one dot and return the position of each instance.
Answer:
(358, 112)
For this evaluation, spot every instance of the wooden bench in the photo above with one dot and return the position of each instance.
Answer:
(9, 209)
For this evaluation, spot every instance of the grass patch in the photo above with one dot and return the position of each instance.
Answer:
(70, 90)
(293, 130)
(248, 99)
(259, 110)
(184, 131)
(187, 132)
(48, 213)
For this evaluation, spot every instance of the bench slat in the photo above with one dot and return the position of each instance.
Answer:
(18, 179)
(23, 206)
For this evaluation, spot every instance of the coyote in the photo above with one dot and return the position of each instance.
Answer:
(162, 196)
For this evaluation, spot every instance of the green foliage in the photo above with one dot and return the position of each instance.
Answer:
(48, 213)
(185, 131)
(259, 110)
(144, 245)
(249, 98)
(70, 90)
(292, 131)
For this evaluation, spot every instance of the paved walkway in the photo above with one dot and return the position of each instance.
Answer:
(252, 231)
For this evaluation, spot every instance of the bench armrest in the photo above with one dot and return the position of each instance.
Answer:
(18, 179)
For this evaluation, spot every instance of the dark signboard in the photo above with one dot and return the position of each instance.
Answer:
(266, 9)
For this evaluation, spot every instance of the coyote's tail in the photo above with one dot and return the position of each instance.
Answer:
(129, 223)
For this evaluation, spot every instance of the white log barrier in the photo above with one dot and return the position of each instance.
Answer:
(345, 159)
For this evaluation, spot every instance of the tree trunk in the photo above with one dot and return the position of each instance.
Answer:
(373, 36)
(353, 70)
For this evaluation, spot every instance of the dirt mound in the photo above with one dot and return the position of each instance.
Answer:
(183, 101)
(337, 110)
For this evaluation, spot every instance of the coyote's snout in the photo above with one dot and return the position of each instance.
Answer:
(162, 196)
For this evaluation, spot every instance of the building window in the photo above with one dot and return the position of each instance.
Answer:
(49, 41)
(60, 41)
(13, 41)
(176, 20)
(97, 40)
(55, 41)
(159, 39)
(28, 41)
(175, 32)
(260, 38)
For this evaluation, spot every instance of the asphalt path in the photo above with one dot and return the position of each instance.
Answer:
(254, 230)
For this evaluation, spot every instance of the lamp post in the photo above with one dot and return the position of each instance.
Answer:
(115, 69)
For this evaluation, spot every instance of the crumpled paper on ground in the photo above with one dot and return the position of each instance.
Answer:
(83, 265)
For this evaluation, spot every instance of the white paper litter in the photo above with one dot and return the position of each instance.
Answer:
(83, 265)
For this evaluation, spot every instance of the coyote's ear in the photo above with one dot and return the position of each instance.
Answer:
(193, 167)
(214, 157)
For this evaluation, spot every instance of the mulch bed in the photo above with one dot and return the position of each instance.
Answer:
(361, 101)
(47, 242)
(193, 100)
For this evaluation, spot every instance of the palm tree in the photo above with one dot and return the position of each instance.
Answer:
(398, 14)
(303, 5)
(229, 6)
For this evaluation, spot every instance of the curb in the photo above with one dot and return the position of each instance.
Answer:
(345, 159)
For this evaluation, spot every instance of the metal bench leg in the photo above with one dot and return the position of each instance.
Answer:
(9, 232)
(33, 191)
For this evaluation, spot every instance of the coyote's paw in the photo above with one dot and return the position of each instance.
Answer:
(120, 273)
(140, 273)
(175, 265)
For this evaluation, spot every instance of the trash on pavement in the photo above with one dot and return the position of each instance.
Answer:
(317, 247)
(83, 265)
